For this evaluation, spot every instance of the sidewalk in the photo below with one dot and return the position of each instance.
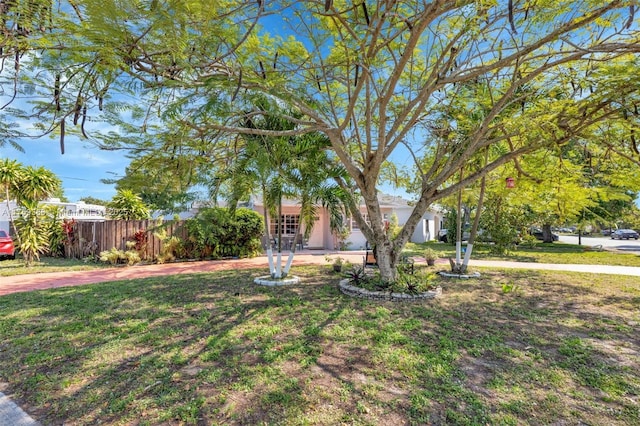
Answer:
(12, 415)
(30, 282)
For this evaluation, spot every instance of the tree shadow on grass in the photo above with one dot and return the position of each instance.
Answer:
(215, 348)
(547, 344)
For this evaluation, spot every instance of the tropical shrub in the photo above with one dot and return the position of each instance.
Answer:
(33, 234)
(171, 245)
(451, 225)
(29, 185)
(141, 240)
(126, 205)
(50, 218)
(502, 222)
(112, 256)
(68, 231)
(411, 283)
(131, 256)
(217, 232)
(115, 256)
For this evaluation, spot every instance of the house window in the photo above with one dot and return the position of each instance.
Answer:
(354, 224)
(289, 224)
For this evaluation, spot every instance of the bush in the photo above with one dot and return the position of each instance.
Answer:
(112, 256)
(115, 256)
(216, 232)
(141, 239)
(171, 246)
(418, 282)
(131, 256)
(502, 222)
(55, 229)
(431, 255)
(528, 241)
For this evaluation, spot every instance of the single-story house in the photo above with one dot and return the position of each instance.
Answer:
(321, 236)
(80, 211)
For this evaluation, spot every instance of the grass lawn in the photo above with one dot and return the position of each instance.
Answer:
(46, 264)
(542, 253)
(508, 348)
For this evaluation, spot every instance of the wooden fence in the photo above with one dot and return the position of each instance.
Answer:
(94, 237)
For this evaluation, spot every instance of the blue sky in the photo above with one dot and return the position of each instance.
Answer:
(80, 168)
(83, 165)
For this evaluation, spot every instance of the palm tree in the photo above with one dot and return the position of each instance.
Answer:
(248, 175)
(314, 185)
(284, 167)
(34, 185)
(260, 163)
(10, 175)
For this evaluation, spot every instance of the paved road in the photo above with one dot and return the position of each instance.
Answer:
(629, 246)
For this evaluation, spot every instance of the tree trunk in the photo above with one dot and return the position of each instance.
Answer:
(267, 233)
(474, 228)
(385, 250)
(457, 268)
(292, 250)
(278, 268)
(387, 261)
(547, 235)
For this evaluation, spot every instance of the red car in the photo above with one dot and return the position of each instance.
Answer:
(7, 249)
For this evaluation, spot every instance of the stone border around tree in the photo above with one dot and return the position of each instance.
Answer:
(463, 276)
(271, 282)
(362, 293)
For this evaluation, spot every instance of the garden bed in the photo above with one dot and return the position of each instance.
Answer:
(354, 291)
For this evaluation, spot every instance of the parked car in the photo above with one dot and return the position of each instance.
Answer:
(537, 232)
(7, 249)
(443, 235)
(624, 234)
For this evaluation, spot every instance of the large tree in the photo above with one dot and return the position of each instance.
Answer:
(384, 80)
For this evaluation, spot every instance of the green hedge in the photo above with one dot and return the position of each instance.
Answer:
(216, 232)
